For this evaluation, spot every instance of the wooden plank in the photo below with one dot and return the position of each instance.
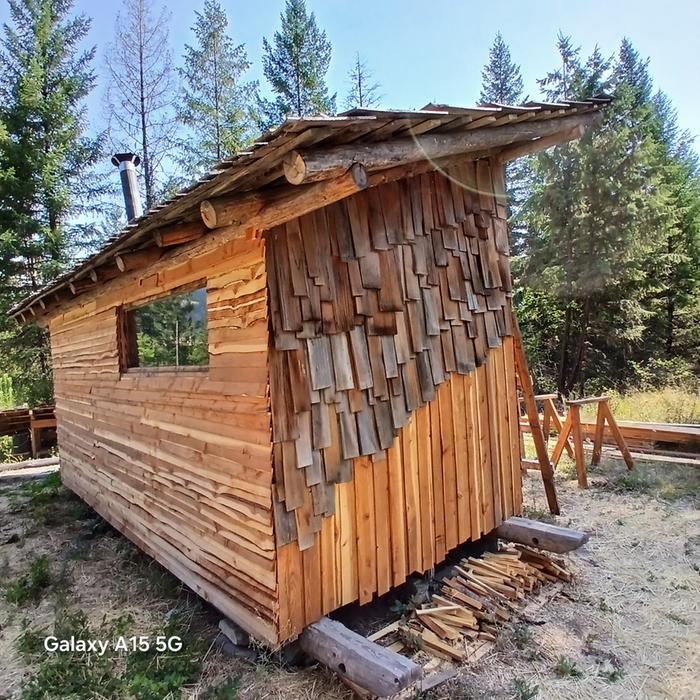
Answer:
(366, 528)
(488, 496)
(448, 466)
(533, 419)
(346, 564)
(412, 493)
(474, 464)
(575, 413)
(380, 471)
(397, 514)
(438, 489)
(513, 422)
(619, 437)
(427, 508)
(462, 457)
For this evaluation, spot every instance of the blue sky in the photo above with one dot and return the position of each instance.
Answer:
(434, 51)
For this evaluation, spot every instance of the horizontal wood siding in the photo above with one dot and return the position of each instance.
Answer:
(181, 463)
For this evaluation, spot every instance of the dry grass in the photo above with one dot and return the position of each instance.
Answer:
(627, 628)
(668, 405)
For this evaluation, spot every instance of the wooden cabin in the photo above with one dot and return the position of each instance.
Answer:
(350, 414)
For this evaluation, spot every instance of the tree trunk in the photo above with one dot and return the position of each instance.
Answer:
(564, 351)
(575, 372)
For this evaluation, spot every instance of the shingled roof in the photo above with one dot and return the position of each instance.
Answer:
(262, 167)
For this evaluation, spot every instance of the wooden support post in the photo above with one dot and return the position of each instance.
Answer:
(575, 413)
(543, 535)
(598, 436)
(619, 437)
(357, 659)
(534, 420)
(553, 415)
(562, 440)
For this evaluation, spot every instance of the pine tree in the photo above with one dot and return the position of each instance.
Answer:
(674, 269)
(503, 84)
(217, 103)
(591, 219)
(142, 89)
(364, 93)
(295, 64)
(501, 81)
(45, 161)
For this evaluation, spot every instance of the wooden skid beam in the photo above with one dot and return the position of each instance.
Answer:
(302, 167)
(369, 665)
(543, 535)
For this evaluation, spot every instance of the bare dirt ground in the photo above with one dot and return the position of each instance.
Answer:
(628, 627)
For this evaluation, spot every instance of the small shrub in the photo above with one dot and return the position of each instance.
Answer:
(613, 675)
(31, 586)
(524, 690)
(675, 617)
(226, 691)
(567, 668)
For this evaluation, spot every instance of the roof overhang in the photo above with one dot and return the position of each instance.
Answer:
(314, 161)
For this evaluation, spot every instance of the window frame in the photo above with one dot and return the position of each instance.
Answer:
(127, 334)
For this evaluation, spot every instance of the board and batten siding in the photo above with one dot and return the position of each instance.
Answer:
(392, 382)
(179, 462)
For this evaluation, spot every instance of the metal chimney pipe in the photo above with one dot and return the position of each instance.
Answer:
(127, 162)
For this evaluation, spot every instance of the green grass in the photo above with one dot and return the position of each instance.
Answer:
(31, 586)
(139, 674)
(524, 690)
(679, 619)
(540, 514)
(566, 668)
(228, 690)
(668, 482)
(47, 502)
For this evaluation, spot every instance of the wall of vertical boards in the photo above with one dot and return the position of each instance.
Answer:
(392, 384)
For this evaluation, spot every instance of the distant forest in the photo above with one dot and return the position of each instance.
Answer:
(605, 232)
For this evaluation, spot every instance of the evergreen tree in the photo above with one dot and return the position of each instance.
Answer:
(503, 84)
(295, 64)
(142, 89)
(674, 270)
(45, 161)
(590, 224)
(501, 81)
(217, 103)
(364, 93)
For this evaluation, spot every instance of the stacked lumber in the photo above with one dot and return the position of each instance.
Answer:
(15, 420)
(482, 594)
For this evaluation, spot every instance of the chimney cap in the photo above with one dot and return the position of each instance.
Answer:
(119, 158)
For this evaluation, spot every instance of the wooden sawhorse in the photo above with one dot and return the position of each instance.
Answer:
(572, 426)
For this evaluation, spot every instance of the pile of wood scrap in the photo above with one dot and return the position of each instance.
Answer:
(481, 594)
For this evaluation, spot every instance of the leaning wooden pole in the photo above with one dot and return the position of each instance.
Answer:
(534, 420)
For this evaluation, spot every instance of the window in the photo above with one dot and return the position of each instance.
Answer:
(168, 333)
